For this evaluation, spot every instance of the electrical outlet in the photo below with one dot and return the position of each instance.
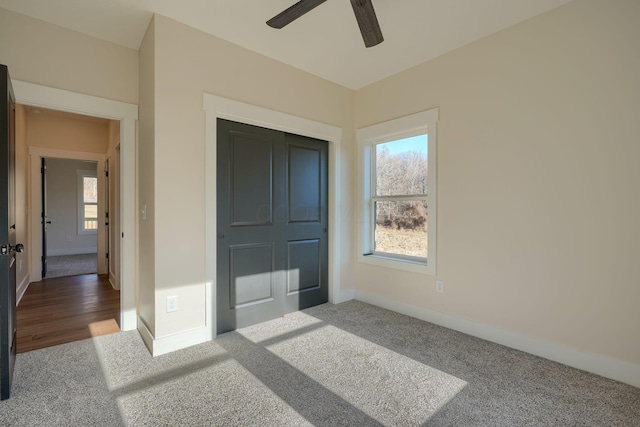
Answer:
(172, 304)
(439, 286)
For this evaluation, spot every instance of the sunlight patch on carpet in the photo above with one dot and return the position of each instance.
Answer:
(387, 386)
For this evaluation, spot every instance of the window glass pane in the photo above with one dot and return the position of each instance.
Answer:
(90, 189)
(91, 224)
(91, 211)
(401, 228)
(401, 167)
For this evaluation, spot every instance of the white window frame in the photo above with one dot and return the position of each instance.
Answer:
(81, 174)
(421, 123)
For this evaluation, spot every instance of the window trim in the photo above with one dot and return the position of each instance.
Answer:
(424, 122)
(80, 175)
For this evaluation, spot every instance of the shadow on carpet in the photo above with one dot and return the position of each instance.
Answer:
(350, 364)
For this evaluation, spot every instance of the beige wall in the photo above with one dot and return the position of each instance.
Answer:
(537, 197)
(71, 132)
(49, 55)
(538, 200)
(146, 181)
(62, 207)
(188, 63)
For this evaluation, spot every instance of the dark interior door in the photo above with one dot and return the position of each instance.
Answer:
(306, 252)
(271, 222)
(43, 215)
(7, 235)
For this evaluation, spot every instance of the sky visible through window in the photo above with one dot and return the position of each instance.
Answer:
(414, 143)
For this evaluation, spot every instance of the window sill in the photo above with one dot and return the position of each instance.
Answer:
(398, 264)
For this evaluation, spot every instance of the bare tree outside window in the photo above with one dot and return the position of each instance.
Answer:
(90, 189)
(400, 197)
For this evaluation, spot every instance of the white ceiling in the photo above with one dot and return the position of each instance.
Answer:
(325, 42)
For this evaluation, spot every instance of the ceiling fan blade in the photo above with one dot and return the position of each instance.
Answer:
(368, 22)
(294, 12)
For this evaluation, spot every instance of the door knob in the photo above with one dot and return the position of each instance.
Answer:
(6, 249)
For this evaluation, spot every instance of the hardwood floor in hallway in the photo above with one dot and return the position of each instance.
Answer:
(66, 309)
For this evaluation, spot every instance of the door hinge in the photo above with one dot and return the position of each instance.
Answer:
(107, 255)
(106, 173)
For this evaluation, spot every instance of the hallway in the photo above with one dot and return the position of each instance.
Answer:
(66, 309)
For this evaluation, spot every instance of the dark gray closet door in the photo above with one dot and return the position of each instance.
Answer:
(271, 224)
(306, 223)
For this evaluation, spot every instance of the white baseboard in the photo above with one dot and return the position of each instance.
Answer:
(21, 289)
(618, 370)
(80, 251)
(164, 345)
(128, 318)
(343, 296)
(113, 281)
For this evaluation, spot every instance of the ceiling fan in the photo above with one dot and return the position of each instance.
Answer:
(363, 9)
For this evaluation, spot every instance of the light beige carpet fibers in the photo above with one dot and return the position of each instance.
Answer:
(350, 364)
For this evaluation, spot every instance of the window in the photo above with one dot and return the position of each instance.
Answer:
(398, 164)
(87, 202)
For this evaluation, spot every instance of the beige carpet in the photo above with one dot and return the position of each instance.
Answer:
(71, 265)
(346, 365)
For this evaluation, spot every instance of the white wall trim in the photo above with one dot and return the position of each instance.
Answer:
(145, 334)
(160, 346)
(21, 289)
(217, 107)
(403, 127)
(65, 154)
(72, 102)
(618, 370)
(72, 251)
(344, 296)
(62, 100)
(229, 109)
